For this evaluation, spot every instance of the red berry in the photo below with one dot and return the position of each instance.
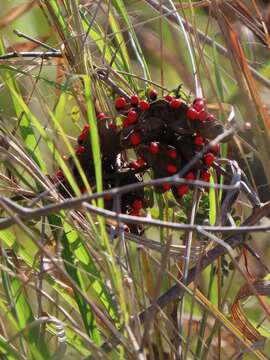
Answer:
(168, 98)
(192, 113)
(182, 189)
(65, 158)
(154, 147)
(135, 139)
(134, 100)
(59, 174)
(141, 161)
(80, 150)
(203, 115)
(210, 118)
(101, 116)
(166, 186)
(175, 103)
(84, 133)
(208, 159)
(199, 99)
(152, 94)
(132, 116)
(113, 126)
(172, 169)
(144, 105)
(135, 212)
(199, 105)
(190, 176)
(205, 176)
(172, 154)
(126, 123)
(215, 149)
(137, 205)
(134, 165)
(120, 102)
(199, 140)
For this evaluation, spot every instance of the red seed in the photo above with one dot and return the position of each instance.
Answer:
(134, 100)
(192, 113)
(175, 103)
(137, 205)
(205, 176)
(135, 139)
(132, 116)
(215, 149)
(152, 94)
(199, 140)
(84, 133)
(168, 98)
(210, 118)
(141, 161)
(154, 147)
(120, 102)
(208, 159)
(172, 154)
(101, 116)
(135, 165)
(59, 174)
(203, 115)
(65, 158)
(144, 105)
(135, 212)
(198, 105)
(166, 186)
(80, 150)
(182, 189)
(172, 169)
(126, 123)
(190, 176)
(113, 126)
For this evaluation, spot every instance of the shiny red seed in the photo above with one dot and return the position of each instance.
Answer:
(190, 176)
(215, 149)
(134, 100)
(137, 205)
(172, 169)
(154, 148)
(199, 140)
(210, 118)
(192, 113)
(172, 154)
(132, 116)
(203, 115)
(199, 105)
(168, 98)
(126, 123)
(113, 126)
(208, 159)
(120, 102)
(166, 186)
(135, 212)
(182, 189)
(59, 173)
(65, 157)
(135, 139)
(101, 116)
(205, 176)
(175, 103)
(152, 94)
(135, 165)
(144, 105)
(80, 150)
(141, 161)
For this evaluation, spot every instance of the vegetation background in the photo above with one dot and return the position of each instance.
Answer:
(70, 288)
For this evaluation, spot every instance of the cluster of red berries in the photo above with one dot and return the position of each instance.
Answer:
(165, 134)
